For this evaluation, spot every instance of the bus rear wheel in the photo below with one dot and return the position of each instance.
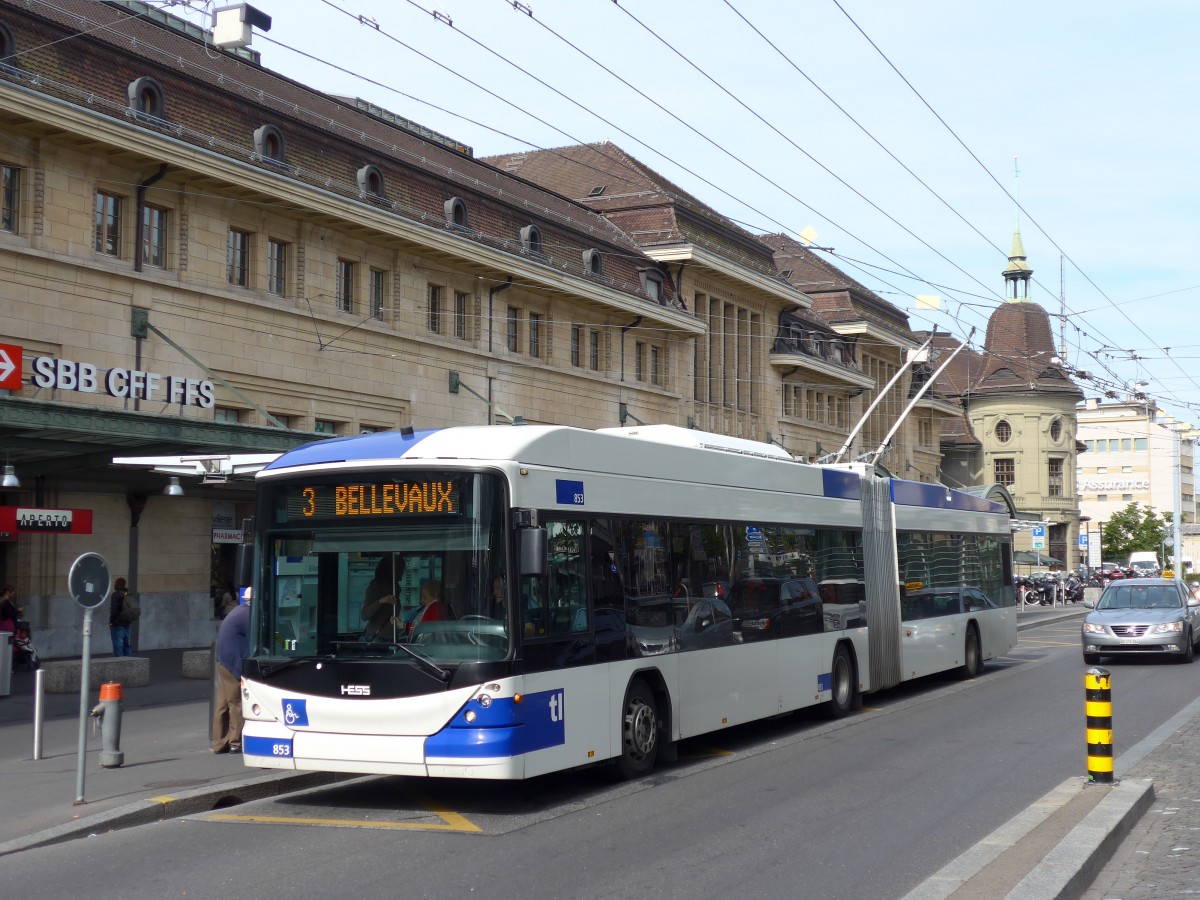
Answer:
(639, 732)
(841, 685)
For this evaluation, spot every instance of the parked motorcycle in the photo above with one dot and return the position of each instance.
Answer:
(1073, 589)
(1027, 592)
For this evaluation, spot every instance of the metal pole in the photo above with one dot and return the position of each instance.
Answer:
(1177, 531)
(39, 710)
(84, 678)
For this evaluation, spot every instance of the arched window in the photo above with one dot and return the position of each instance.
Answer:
(593, 262)
(370, 181)
(1056, 430)
(531, 239)
(8, 50)
(1003, 431)
(269, 144)
(146, 98)
(456, 212)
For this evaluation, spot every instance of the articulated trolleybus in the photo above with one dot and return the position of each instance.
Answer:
(501, 602)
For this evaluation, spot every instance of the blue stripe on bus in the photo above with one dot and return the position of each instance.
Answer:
(841, 484)
(380, 445)
(919, 493)
(503, 729)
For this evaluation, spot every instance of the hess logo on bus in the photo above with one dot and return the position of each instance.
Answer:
(356, 690)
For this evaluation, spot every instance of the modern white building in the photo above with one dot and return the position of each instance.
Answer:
(1134, 454)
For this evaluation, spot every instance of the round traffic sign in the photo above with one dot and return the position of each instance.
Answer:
(89, 580)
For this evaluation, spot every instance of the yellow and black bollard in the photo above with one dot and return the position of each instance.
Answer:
(1099, 726)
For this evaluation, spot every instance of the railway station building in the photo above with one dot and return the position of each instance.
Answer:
(204, 260)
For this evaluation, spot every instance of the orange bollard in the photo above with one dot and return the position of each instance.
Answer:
(111, 690)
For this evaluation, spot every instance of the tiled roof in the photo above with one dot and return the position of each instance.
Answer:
(836, 296)
(88, 52)
(1018, 353)
(648, 207)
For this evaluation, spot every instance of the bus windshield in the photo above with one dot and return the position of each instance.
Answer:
(390, 565)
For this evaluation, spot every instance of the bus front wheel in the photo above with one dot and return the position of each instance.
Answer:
(639, 732)
(841, 684)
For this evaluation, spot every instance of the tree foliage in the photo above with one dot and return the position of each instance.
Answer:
(1136, 527)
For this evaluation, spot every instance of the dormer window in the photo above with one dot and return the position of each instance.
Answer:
(269, 144)
(146, 98)
(593, 263)
(652, 283)
(531, 240)
(8, 50)
(370, 182)
(456, 212)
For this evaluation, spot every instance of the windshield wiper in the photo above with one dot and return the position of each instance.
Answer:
(426, 664)
(268, 671)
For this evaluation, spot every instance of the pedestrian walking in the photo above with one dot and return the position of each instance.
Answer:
(233, 643)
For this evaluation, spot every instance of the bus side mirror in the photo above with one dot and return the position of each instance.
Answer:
(532, 551)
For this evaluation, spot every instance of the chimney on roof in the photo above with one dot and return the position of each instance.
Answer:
(231, 25)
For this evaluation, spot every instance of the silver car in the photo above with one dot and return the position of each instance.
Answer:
(1142, 615)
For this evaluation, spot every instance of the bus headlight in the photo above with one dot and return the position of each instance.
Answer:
(469, 715)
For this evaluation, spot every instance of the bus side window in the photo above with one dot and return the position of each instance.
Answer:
(565, 579)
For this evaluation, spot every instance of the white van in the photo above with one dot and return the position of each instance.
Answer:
(1145, 563)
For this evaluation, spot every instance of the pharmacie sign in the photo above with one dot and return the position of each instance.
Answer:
(134, 384)
(37, 519)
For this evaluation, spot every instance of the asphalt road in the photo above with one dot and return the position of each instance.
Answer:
(794, 807)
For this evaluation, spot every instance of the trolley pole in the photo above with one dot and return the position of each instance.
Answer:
(1098, 707)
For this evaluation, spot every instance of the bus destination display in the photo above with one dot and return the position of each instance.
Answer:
(381, 499)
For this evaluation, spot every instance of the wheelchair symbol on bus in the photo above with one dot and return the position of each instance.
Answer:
(295, 713)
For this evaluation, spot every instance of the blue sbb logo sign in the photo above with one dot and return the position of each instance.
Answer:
(568, 493)
(295, 713)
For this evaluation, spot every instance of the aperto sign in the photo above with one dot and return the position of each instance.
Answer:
(135, 384)
(30, 519)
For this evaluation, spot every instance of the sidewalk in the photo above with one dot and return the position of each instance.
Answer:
(168, 769)
(1131, 841)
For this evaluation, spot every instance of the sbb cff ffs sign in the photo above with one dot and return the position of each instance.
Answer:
(29, 519)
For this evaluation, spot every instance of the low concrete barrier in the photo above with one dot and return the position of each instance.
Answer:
(63, 675)
(197, 663)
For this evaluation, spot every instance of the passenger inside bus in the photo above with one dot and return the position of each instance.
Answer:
(433, 607)
(379, 602)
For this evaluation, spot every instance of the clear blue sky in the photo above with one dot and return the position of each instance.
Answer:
(1096, 103)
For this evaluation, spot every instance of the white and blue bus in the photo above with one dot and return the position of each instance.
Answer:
(502, 602)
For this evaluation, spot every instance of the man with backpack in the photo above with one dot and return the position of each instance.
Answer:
(123, 611)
